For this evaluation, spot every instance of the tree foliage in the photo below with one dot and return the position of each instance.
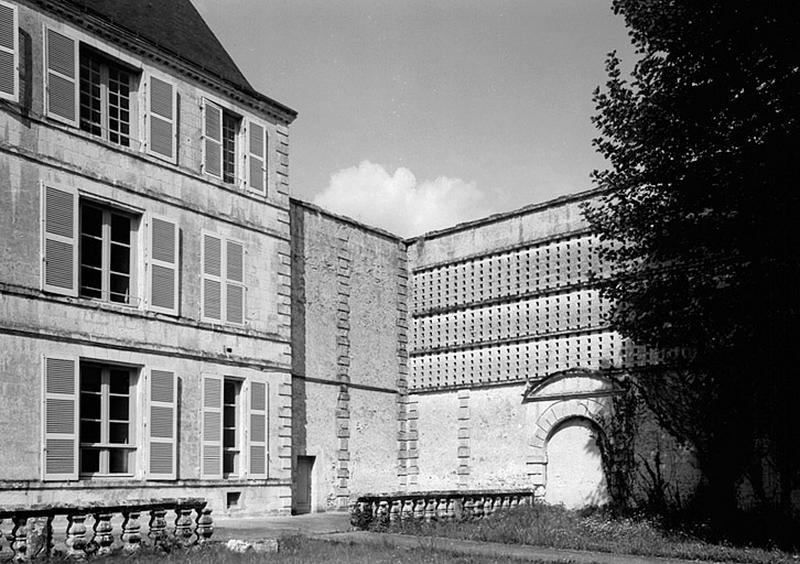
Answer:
(699, 221)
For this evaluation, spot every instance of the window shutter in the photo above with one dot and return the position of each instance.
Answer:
(61, 78)
(212, 139)
(256, 153)
(9, 52)
(59, 240)
(212, 427)
(212, 278)
(234, 282)
(163, 425)
(164, 242)
(60, 441)
(258, 430)
(161, 120)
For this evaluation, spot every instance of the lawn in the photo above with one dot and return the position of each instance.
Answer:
(298, 550)
(556, 527)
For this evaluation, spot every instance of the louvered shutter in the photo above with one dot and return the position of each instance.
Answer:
(163, 425)
(164, 241)
(256, 157)
(61, 78)
(258, 430)
(234, 282)
(59, 240)
(162, 106)
(60, 441)
(212, 139)
(212, 278)
(212, 427)
(9, 52)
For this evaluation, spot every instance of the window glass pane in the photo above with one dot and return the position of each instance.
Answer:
(90, 111)
(120, 288)
(120, 259)
(90, 431)
(118, 408)
(90, 406)
(229, 438)
(118, 105)
(229, 392)
(118, 461)
(229, 463)
(90, 460)
(119, 433)
(120, 229)
(229, 416)
(230, 125)
(120, 381)
(91, 220)
(90, 377)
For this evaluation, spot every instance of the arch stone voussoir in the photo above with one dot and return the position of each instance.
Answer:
(588, 408)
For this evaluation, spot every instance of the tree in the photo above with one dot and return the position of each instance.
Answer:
(699, 223)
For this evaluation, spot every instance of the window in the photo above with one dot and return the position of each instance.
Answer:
(221, 143)
(91, 249)
(231, 421)
(106, 432)
(230, 131)
(227, 421)
(106, 253)
(223, 280)
(105, 98)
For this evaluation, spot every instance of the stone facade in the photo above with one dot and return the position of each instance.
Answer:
(115, 395)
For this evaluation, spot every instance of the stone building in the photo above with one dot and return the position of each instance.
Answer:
(144, 266)
(173, 324)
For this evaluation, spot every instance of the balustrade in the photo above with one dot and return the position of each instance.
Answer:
(193, 525)
(461, 505)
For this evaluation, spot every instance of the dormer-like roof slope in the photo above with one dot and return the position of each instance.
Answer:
(174, 25)
(176, 28)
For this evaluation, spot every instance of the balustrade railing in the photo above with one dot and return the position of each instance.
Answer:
(451, 505)
(28, 532)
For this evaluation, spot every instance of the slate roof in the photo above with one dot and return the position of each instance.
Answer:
(173, 25)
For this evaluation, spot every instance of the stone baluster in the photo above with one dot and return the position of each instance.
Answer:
(394, 511)
(477, 508)
(183, 525)
(205, 525)
(19, 539)
(488, 506)
(103, 532)
(469, 511)
(374, 507)
(419, 509)
(430, 510)
(441, 509)
(506, 503)
(451, 509)
(131, 530)
(514, 502)
(76, 536)
(383, 512)
(157, 526)
(407, 512)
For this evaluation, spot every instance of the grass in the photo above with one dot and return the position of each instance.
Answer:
(556, 527)
(298, 550)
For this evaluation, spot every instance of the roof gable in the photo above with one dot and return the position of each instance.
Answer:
(174, 25)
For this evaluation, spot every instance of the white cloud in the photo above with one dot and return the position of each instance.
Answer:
(398, 202)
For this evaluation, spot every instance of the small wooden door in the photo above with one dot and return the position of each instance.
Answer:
(305, 465)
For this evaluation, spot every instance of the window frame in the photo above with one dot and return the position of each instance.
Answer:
(132, 447)
(240, 143)
(238, 428)
(106, 62)
(136, 219)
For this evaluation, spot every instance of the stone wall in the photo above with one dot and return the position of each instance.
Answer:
(348, 323)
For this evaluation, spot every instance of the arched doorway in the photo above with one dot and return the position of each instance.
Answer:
(575, 476)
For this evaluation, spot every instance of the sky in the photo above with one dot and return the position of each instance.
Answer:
(415, 115)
